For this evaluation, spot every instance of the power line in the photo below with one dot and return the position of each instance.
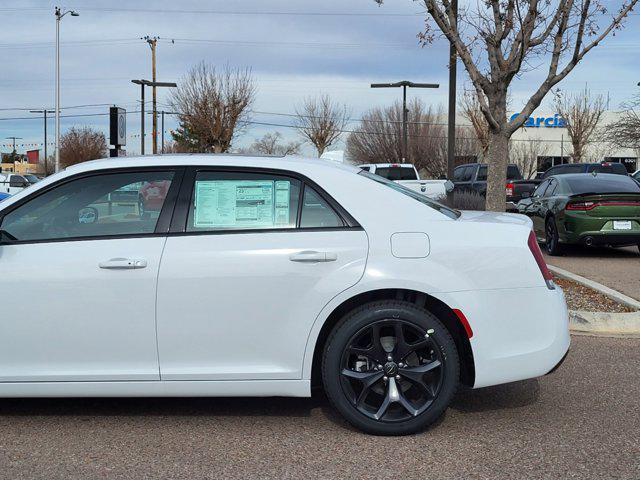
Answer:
(227, 12)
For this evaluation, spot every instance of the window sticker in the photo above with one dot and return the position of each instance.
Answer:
(242, 203)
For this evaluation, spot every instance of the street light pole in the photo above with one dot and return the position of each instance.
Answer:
(405, 113)
(59, 14)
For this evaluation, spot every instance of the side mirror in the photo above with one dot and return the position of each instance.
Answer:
(87, 215)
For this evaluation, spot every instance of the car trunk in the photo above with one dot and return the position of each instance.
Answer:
(609, 205)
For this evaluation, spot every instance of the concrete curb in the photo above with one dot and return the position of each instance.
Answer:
(603, 323)
(598, 287)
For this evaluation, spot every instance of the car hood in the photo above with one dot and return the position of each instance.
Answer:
(495, 217)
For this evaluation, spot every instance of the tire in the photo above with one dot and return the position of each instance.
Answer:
(552, 240)
(359, 379)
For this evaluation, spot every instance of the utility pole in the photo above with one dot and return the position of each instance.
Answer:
(153, 43)
(451, 128)
(44, 111)
(162, 126)
(405, 112)
(14, 141)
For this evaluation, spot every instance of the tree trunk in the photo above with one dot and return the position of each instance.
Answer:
(498, 159)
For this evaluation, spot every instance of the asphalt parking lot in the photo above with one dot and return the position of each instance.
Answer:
(617, 268)
(580, 422)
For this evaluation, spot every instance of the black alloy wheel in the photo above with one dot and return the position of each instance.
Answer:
(393, 369)
(552, 241)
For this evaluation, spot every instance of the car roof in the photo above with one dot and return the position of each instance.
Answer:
(569, 176)
(214, 160)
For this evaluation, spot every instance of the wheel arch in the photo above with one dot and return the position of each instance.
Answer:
(442, 311)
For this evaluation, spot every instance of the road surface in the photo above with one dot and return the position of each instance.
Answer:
(580, 422)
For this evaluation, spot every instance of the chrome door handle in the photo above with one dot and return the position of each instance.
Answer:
(310, 256)
(123, 264)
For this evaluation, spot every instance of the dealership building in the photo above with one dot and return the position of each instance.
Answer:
(549, 132)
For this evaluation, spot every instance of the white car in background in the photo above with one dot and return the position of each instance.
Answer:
(263, 277)
(407, 175)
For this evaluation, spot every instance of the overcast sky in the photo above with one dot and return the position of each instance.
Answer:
(295, 48)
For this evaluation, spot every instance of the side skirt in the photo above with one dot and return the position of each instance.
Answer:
(219, 388)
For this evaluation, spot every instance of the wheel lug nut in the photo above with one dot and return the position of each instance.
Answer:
(397, 377)
(401, 365)
(389, 357)
(385, 378)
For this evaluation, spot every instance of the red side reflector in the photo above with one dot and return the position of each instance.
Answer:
(464, 321)
(542, 265)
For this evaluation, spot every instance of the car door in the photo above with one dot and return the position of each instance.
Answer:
(79, 267)
(255, 258)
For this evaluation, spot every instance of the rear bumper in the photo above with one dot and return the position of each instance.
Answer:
(609, 238)
(519, 333)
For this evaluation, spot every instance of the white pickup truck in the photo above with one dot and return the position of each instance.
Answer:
(13, 183)
(407, 175)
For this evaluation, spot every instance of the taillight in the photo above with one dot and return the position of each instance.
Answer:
(581, 206)
(510, 189)
(542, 265)
(586, 206)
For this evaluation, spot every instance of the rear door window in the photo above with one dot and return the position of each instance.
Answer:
(243, 201)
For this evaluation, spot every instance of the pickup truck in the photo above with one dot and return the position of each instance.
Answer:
(472, 177)
(407, 175)
(13, 183)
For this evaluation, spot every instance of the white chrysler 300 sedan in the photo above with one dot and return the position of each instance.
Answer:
(202, 275)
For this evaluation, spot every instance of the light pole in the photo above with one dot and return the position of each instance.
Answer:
(404, 84)
(44, 112)
(59, 14)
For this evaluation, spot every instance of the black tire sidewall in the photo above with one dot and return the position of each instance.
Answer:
(552, 248)
(360, 318)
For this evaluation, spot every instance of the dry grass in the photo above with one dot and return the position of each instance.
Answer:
(586, 299)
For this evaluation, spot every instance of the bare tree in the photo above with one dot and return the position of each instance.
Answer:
(525, 154)
(625, 132)
(582, 113)
(212, 107)
(497, 40)
(378, 138)
(321, 121)
(470, 109)
(80, 145)
(271, 144)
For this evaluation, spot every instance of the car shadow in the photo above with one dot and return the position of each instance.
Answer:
(508, 396)
(579, 251)
(144, 407)
(500, 397)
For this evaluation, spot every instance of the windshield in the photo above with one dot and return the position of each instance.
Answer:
(31, 178)
(449, 212)
(397, 173)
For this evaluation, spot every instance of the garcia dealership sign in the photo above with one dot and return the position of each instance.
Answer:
(549, 122)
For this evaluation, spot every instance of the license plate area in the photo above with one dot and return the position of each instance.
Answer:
(622, 224)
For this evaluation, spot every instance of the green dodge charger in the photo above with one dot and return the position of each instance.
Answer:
(587, 209)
